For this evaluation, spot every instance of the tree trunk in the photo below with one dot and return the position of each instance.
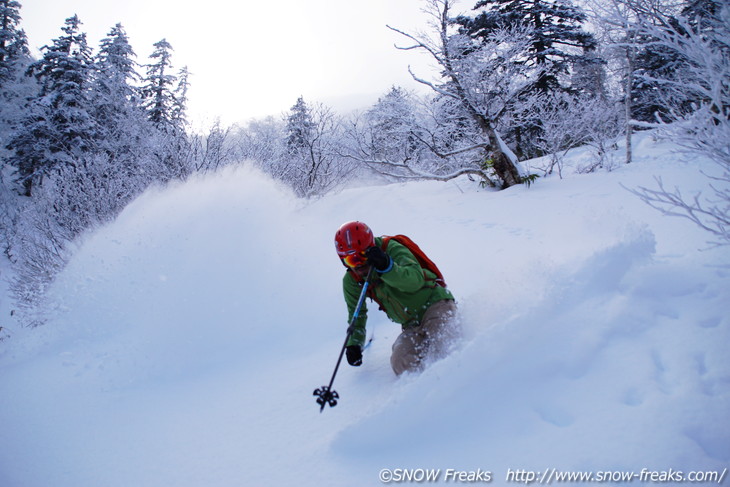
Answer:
(503, 166)
(505, 169)
(630, 57)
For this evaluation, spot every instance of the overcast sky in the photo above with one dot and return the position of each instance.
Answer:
(251, 58)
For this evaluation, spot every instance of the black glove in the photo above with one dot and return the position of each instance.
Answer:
(377, 258)
(354, 355)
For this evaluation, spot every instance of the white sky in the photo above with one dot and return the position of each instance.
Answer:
(251, 59)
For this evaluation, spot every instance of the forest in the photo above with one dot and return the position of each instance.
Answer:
(84, 130)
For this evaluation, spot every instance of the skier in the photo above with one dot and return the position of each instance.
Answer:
(409, 294)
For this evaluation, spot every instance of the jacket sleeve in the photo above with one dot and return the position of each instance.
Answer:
(352, 290)
(405, 273)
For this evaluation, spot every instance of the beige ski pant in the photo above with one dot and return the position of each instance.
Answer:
(433, 339)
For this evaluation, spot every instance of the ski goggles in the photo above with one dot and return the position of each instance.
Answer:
(353, 259)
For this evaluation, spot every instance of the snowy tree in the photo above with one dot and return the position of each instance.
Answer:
(386, 139)
(704, 44)
(116, 97)
(618, 21)
(656, 61)
(13, 42)
(630, 51)
(483, 79)
(312, 165)
(65, 73)
(213, 149)
(126, 139)
(164, 96)
(393, 127)
(448, 126)
(589, 76)
(180, 99)
(262, 141)
(568, 121)
(159, 87)
(15, 87)
(300, 128)
(557, 42)
(30, 147)
(556, 35)
(60, 127)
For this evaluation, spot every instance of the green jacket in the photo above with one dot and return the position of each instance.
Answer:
(405, 291)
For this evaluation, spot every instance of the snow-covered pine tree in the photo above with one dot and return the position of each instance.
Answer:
(180, 99)
(125, 129)
(178, 141)
(13, 41)
(311, 165)
(160, 90)
(15, 87)
(557, 42)
(300, 167)
(299, 128)
(657, 68)
(392, 128)
(60, 127)
(65, 72)
(116, 97)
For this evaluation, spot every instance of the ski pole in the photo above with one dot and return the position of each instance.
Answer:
(325, 394)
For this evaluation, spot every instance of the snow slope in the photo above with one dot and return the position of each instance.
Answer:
(185, 339)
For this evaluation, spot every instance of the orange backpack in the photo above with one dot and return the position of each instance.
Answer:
(422, 258)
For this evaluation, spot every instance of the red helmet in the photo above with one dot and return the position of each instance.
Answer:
(351, 241)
